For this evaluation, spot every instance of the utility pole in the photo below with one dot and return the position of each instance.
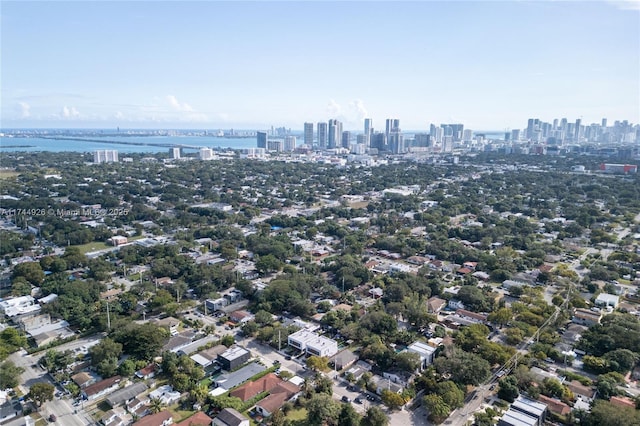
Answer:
(279, 342)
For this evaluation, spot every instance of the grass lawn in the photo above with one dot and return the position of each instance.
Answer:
(297, 414)
(98, 245)
(6, 174)
(206, 381)
(180, 415)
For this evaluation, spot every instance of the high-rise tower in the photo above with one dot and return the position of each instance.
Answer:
(322, 135)
(308, 134)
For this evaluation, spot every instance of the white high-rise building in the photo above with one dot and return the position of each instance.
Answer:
(105, 156)
(175, 153)
(368, 129)
(290, 143)
(206, 154)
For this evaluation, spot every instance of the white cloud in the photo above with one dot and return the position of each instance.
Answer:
(24, 110)
(177, 106)
(70, 112)
(119, 115)
(626, 4)
(352, 115)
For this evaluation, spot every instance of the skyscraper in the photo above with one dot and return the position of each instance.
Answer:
(334, 134)
(290, 143)
(392, 125)
(577, 130)
(604, 123)
(322, 135)
(308, 134)
(368, 129)
(261, 139)
(346, 139)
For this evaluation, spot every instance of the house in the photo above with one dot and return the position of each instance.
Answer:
(166, 394)
(343, 359)
(117, 240)
(233, 358)
(249, 390)
(474, 316)
(241, 317)
(197, 344)
(83, 379)
(138, 406)
(622, 401)
(482, 276)
(101, 388)
(198, 419)
(382, 384)
(230, 417)
(231, 380)
(578, 388)
(126, 394)
(163, 418)
(312, 343)
(112, 418)
(455, 304)
(435, 304)
(148, 372)
(425, 351)
(282, 393)
(376, 292)
(605, 300)
(555, 406)
(586, 317)
(470, 265)
(463, 271)
(169, 323)
(207, 357)
(214, 305)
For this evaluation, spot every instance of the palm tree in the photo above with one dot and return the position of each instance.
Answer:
(199, 393)
(156, 405)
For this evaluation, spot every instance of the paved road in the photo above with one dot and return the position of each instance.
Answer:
(60, 407)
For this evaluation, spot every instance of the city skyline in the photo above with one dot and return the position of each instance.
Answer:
(490, 65)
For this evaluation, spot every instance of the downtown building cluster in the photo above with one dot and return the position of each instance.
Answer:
(445, 138)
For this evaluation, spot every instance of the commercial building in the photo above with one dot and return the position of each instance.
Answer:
(605, 299)
(206, 154)
(586, 317)
(233, 358)
(18, 306)
(105, 156)
(312, 343)
(334, 134)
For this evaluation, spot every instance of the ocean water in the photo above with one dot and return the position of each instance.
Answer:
(122, 144)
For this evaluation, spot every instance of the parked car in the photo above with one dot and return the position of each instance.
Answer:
(357, 401)
(52, 418)
(345, 399)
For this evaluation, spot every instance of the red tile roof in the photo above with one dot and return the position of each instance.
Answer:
(554, 405)
(251, 389)
(199, 419)
(154, 419)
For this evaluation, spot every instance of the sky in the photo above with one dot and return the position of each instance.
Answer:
(252, 65)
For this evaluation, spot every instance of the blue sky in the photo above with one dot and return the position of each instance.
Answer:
(207, 64)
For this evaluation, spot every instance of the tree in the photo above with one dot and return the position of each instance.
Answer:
(604, 413)
(501, 317)
(107, 367)
(9, 375)
(436, 407)
(465, 368)
(106, 349)
(348, 416)
(624, 359)
(156, 405)
(10, 341)
(222, 402)
(324, 384)
(268, 263)
(127, 368)
(451, 394)
(228, 340)
(407, 361)
(374, 417)
(318, 363)
(141, 341)
(41, 392)
(392, 399)
(322, 408)
(508, 388)
(30, 271)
